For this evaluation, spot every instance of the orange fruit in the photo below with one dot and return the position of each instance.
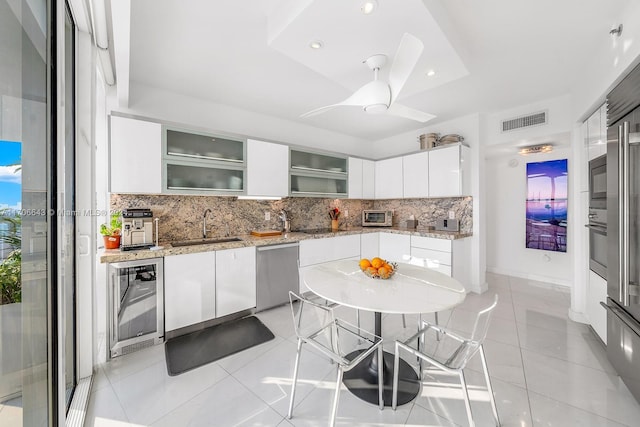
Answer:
(388, 267)
(372, 270)
(383, 271)
(364, 264)
(377, 262)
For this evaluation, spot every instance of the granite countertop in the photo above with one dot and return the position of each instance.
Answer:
(116, 255)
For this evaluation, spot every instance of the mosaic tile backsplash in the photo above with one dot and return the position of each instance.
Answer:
(180, 217)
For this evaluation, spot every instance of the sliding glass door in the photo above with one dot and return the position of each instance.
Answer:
(37, 227)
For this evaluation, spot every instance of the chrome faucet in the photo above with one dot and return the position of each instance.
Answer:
(204, 223)
(286, 222)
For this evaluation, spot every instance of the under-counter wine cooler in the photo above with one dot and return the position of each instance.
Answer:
(136, 317)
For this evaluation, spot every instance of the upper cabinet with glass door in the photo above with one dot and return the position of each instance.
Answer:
(318, 175)
(202, 163)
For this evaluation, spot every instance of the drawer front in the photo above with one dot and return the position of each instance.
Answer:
(443, 245)
(315, 251)
(432, 256)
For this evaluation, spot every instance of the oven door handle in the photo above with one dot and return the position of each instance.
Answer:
(623, 316)
(597, 228)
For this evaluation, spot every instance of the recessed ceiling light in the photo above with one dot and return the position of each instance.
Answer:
(368, 6)
(316, 44)
(431, 73)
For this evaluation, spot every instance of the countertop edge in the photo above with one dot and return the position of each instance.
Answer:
(116, 255)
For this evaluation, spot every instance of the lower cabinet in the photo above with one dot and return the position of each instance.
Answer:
(597, 314)
(395, 247)
(235, 280)
(189, 289)
(432, 253)
(316, 251)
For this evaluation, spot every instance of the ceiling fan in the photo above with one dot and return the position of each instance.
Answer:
(378, 97)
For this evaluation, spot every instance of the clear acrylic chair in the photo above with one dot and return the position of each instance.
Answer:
(450, 353)
(316, 325)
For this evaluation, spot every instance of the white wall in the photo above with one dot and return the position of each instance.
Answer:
(506, 190)
(612, 57)
(559, 121)
(169, 107)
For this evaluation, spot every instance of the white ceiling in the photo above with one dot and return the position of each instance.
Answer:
(489, 55)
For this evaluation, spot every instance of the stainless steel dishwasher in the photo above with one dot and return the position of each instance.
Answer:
(277, 269)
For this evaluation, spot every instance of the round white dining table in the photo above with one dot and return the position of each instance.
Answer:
(412, 289)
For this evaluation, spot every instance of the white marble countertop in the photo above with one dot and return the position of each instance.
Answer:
(116, 255)
(411, 290)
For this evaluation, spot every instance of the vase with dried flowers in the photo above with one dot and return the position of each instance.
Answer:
(334, 214)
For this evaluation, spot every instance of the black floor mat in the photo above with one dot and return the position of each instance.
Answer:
(198, 348)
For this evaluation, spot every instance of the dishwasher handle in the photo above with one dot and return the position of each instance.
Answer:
(272, 247)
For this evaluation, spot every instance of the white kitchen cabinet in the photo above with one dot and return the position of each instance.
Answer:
(267, 169)
(432, 253)
(361, 178)
(369, 245)
(415, 170)
(135, 158)
(316, 251)
(368, 179)
(597, 314)
(395, 247)
(388, 181)
(449, 171)
(597, 133)
(189, 289)
(235, 280)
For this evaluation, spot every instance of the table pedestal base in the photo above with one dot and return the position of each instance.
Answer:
(362, 380)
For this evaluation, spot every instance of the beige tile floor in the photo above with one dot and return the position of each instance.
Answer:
(546, 371)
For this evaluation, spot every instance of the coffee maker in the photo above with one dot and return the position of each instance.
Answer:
(137, 229)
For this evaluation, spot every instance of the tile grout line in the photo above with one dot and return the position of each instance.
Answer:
(524, 372)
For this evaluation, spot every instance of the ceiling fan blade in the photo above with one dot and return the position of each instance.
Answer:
(406, 58)
(373, 91)
(400, 110)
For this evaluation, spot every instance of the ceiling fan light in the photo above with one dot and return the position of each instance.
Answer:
(376, 108)
(316, 44)
(368, 6)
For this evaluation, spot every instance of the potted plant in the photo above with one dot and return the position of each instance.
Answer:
(111, 232)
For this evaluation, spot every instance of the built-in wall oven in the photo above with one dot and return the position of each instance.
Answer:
(598, 245)
(136, 302)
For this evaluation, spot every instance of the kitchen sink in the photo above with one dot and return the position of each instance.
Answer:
(204, 241)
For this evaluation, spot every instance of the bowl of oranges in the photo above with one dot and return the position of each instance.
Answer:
(378, 268)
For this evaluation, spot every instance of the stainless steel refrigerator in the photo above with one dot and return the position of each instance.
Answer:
(623, 230)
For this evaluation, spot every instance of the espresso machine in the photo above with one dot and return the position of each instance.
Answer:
(137, 229)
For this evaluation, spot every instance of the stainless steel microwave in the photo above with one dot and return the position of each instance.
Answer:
(377, 218)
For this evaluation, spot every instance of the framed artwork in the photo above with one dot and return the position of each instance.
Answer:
(546, 215)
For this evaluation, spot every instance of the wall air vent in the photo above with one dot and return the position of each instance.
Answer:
(535, 119)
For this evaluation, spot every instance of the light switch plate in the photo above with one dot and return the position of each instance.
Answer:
(452, 215)
(267, 215)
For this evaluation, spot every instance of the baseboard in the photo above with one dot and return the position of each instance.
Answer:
(579, 317)
(564, 284)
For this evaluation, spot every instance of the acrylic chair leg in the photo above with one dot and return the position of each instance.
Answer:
(336, 398)
(489, 388)
(380, 377)
(295, 379)
(467, 403)
(437, 324)
(396, 368)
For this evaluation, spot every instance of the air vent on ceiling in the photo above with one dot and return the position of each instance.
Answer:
(535, 119)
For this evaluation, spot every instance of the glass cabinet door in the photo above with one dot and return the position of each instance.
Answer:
(199, 177)
(303, 160)
(198, 146)
(317, 175)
